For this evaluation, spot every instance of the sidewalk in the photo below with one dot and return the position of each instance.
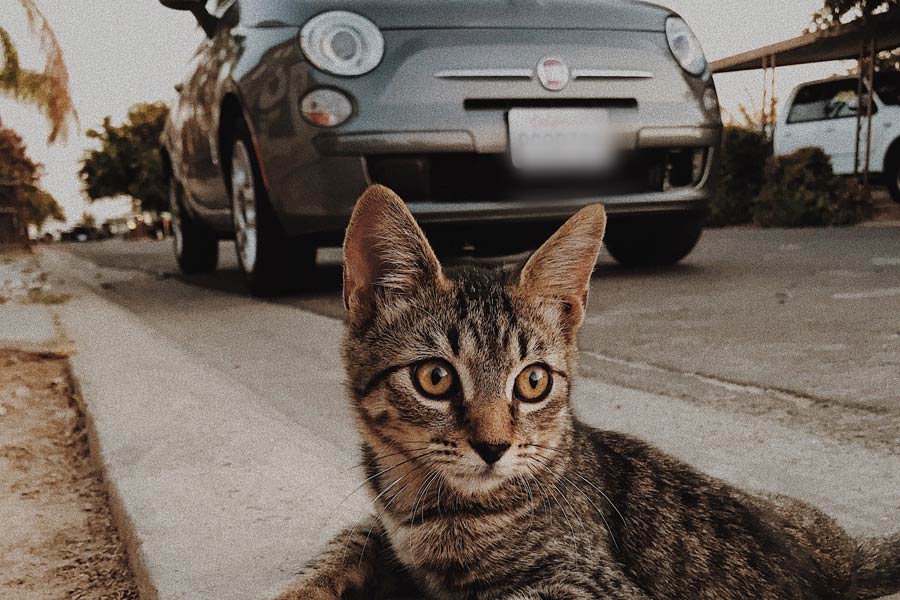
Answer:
(219, 495)
(26, 316)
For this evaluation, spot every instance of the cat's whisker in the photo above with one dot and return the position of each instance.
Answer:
(605, 497)
(565, 498)
(374, 500)
(599, 512)
(383, 472)
(530, 499)
(422, 493)
(378, 518)
(375, 459)
(356, 524)
(563, 511)
(544, 447)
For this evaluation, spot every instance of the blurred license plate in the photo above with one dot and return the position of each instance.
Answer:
(559, 138)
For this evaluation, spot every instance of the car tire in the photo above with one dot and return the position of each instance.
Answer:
(196, 246)
(651, 241)
(272, 261)
(892, 175)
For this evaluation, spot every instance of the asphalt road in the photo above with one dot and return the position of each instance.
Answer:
(805, 318)
(770, 358)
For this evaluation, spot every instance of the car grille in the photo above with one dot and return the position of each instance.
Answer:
(473, 177)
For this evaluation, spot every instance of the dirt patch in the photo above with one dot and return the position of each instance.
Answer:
(58, 540)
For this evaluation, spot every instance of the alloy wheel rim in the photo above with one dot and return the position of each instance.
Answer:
(243, 206)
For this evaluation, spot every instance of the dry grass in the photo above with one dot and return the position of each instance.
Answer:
(58, 538)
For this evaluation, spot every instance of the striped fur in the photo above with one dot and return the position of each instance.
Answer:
(568, 512)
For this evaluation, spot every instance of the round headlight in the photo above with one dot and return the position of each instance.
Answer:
(342, 43)
(685, 46)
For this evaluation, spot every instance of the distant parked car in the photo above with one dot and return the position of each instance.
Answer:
(823, 114)
(82, 233)
(494, 121)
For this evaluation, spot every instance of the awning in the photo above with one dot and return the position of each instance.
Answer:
(841, 43)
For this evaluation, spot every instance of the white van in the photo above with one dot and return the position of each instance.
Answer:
(823, 114)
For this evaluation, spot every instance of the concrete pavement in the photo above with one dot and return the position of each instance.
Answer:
(226, 436)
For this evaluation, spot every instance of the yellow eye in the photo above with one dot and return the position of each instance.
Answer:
(434, 378)
(533, 383)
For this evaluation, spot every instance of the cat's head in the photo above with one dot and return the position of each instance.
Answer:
(465, 373)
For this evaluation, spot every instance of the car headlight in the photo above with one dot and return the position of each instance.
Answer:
(342, 43)
(685, 46)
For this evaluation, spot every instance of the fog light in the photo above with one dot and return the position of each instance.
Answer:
(710, 100)
(326, 107)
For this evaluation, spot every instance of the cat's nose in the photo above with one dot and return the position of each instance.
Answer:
(489, 453)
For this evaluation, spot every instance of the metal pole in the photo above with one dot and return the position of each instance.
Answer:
(773, 99)
(860, 67)
(763, 120)
(870, 92)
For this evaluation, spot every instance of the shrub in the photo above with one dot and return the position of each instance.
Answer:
(802, 190)
(741, 175)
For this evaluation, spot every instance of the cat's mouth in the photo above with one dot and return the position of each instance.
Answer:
(479, 479)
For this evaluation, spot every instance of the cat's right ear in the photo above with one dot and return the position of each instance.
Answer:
(385, 253)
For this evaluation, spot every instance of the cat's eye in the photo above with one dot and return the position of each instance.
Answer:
(434, 379)
(533, 383)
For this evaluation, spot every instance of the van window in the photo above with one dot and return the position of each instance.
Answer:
(887, 88)
(824, 101)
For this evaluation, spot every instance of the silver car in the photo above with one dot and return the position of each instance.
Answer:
(494, 120)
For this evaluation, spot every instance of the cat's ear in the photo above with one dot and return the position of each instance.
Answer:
(385, 253)
(561, 269)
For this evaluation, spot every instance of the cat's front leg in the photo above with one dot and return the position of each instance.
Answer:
(347, 565)
(615, 588)
(555, 591)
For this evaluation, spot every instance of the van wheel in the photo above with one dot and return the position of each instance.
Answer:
(272, 261)
(196, 246)
(893, 176)
(649, 241)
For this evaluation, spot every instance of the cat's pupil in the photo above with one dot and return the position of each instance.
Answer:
(534, 379)
(437, 374)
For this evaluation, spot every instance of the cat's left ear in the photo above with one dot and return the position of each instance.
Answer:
(385, 253)
(561, 269)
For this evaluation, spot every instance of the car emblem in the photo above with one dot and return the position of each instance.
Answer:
(553, 73)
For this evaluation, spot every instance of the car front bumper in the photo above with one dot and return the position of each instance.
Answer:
(443, 144)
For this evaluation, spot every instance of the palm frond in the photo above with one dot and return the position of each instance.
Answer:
(48, 89)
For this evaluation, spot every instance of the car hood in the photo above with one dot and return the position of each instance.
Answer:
(464, 14)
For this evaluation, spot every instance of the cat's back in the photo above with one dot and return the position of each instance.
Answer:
(683, 534)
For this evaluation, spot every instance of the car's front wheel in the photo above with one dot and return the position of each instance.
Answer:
(653, 240)
(272, 261)
(893, 176)
(196, 246)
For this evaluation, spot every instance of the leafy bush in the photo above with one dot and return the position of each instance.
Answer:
(741, 175)
(802, 190)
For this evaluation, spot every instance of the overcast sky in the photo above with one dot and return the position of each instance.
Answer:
(124, 51)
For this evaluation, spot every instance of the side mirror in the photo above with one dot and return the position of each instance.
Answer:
(198, 8)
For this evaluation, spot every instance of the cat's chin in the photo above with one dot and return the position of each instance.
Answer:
(480, 481)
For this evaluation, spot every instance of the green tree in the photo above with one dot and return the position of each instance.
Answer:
(835, 12)
(20, 181)
(128, 161)
(48, 89)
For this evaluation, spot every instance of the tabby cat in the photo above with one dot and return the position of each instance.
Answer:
(484, 484)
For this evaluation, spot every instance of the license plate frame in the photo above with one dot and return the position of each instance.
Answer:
(560, 139)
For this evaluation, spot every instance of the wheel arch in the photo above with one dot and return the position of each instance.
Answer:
(892, 156)
(231, 110)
